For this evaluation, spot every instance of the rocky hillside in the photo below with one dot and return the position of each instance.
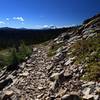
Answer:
(66, 68)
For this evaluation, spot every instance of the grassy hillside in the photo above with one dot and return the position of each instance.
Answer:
(88, 52)
(11, 56)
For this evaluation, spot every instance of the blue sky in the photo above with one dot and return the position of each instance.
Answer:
(43, 13)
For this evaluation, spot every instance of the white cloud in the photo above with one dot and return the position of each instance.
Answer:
(1, 22)
(19, 19)
(69, 25)
(22, 22)
(49, 26)
(45, 26)
(7, 19)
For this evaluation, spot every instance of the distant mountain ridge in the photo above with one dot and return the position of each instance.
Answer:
(11, 36)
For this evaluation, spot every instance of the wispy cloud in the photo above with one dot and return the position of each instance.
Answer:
(1, 22)
(7, 19)
(49, 26)
(19, 19)
(71, 25)
(41, 26)
(45, 26)
(22, 22)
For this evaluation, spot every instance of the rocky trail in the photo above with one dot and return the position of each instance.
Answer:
(35, 81)
(44, 78)
(32, 77)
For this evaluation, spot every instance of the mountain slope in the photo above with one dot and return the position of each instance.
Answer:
(65, 68)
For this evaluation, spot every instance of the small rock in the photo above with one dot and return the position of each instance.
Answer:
(22, 65)
(29, 65)
(39, 51)
(88, 84)
(40, 88)
(96, 97)
(86, 91)
(55, 39)
(26, 58)
(59, 49)
(53, 85)
(61, 93)
(35, 49)
(39, 96)
(56, 76)
(9, 93)
(87, 58)
(70, 97)
(65, 97)
(67, 75)
(97, 90)
(28, 61)
(52, 97)
(58, 42)
(59, 56)
(16, 90)
(24, 74)
(49, 67)
(93, 53)
(88, 97)
(68, 62)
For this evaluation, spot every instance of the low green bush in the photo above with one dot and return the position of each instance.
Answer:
(12, 56)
